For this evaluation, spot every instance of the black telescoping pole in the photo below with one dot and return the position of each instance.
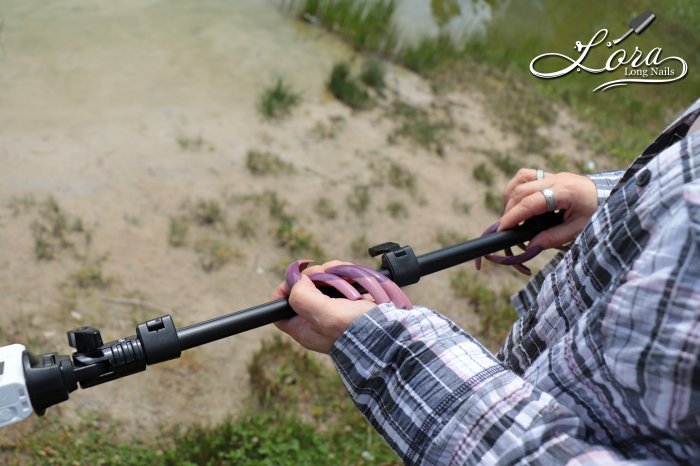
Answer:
(263, 314)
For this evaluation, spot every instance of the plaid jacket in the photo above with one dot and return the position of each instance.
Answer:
(603, 365)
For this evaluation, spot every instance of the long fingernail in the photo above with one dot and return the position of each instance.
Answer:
(293, 274)
(369, 283)
(336, 282)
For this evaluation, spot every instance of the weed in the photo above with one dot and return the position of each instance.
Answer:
(358, 200)
(213, 254)
(558, 163)
(493, 203)
(266, 163)
(278, 100)
(90, 275)
(324, 208)
(208, 213)
(299, 241)
(177, 232)
(53, 231)
(190, 144)
(372, 75)
(505, 163)
(461, 207)
(401, 178)
(429, 53)
(329, 130)
(416, 125)
(482, 173)
(367, 25)
(245, 228)
(20, 205)
(397, 209)
(346, 89)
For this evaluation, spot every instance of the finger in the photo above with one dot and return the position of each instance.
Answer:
(558, 235)
(337, 282)
(282, 291)
(534, 204)
(522, 191)
(523, 175)
(307, 300)
(321, 268)
(364, 279)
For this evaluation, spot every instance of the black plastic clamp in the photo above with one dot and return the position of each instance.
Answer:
(159, 339)
(401, 262)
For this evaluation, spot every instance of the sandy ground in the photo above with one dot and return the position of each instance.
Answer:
(94, 98)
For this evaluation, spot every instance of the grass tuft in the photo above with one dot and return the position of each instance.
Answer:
(417, 125)
(346, 89)
(266, 163)
(214, 254)
(278, 100)
(372, 75)
(482, 173)
(358, 200)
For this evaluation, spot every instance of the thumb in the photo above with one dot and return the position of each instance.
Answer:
(305, 298)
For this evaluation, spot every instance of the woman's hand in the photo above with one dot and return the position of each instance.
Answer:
(576, 195)
(320, 320)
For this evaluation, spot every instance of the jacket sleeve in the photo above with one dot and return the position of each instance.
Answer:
(438, 397)
(604, 183)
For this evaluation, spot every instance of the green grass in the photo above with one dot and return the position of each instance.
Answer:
(419, 127)
(366, 25)
(461, 207)
(483, 174)
(346, 89)
(261, 163)
(278, 100)
(504, 162)
(90, 275)
(190, 143)
(493, 202)
(397, 209)
(358, 200)
(208, 212)
(214, 254)
(177, 232)
(372, 75)
(324, 207)
(53, 230)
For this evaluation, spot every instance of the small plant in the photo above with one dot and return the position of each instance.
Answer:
(372, 75)
(328, 130)
(213, 254)
(397, 209)
(482, 173)
(208, 213)
(19, 205)
(177, 232)
(493, 203)
(346, 89)
(401, 178)
(461, 207)
(417, 125)
(324, 208)
(358, 200)
(245, 228)
(278, 100)
(505, 163)
(266, 163)
(53, 230)
(90, 275)
(190, 144)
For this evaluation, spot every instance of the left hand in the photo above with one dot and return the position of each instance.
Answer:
(320, 320)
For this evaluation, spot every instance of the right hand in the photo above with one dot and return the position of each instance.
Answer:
(576, 195)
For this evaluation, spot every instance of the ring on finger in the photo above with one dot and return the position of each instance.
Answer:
(549, 197)
(539, 174)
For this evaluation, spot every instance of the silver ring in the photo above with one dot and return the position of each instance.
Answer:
(539, 174)
(549, 197)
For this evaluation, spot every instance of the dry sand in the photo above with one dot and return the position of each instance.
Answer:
(94, 98)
